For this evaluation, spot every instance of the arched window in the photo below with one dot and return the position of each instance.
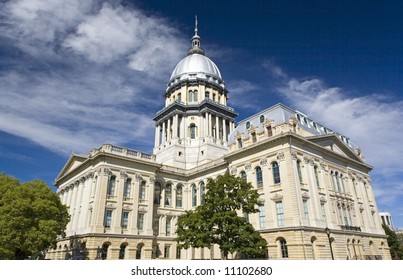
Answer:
(276, 172)
(336, 174)
(195, 97)
(179, 196)
(179, 97)
(104, 251)
(315, 170)
(193, 131)
(111, 185)
(190, 96)
(262, 119)
(334, 180)
(127, 189)
(259, 176)
(299, 170)
(283, 248)
(207, 95)
(122, 251)
(168, 195)
(142, 192)
(138, 251)
(247, 125)
(242, 175)
(341, 183)
(194, 195)
(202, 191)
(157, 193)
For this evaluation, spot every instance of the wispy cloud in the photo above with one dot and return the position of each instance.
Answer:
(275, 70)
(241, 90)
(82, 73)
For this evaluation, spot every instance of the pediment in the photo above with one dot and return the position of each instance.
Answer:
(73, 162)
(334, 144)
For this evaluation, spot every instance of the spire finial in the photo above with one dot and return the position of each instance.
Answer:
(196, 48)
(196, 25)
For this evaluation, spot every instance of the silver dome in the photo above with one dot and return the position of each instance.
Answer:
(196, 64)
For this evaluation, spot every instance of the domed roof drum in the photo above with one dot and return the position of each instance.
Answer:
(196, 66)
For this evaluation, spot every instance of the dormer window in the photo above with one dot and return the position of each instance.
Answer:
(247, 125)
(262, 119)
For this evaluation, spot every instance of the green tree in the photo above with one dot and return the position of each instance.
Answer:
(31, 217)
(395, 246)
(217, 220)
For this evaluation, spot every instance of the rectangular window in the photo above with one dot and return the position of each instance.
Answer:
(125, 219)
(323, 210)
(269, 131)
(156, 225)
(166, 251)
(140, 221)
(239, 140)
(280, 213)
(108, 219)
(253, 137)
(305, 205)
(168, 226)
(262, 217)
(178, 253)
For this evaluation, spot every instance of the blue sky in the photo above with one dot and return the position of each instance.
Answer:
(76, 74)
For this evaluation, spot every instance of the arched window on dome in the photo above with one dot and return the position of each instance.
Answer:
(195, 96)
(192, 131)
(207, 94)
(190, 96)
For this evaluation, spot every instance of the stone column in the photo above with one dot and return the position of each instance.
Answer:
(163, 132)
(217, 127)
(210, 127)
(157, 136)
(224, 130)
(175, 127)
(169, 135)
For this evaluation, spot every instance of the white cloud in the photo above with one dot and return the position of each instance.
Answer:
(87, 72)
(115, 32)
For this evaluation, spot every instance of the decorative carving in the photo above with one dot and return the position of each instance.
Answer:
(277, 197)
(107, 171)
(138, 178)
(263, 161)
(305, 195)
(323, 199)
(248, 166)
(294, 155)
(123, 174)
(280, 156)
(233, 170)
(152, 180)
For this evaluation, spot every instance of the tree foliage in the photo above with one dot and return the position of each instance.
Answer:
(395, 246)
(31, 217)
(217, 220)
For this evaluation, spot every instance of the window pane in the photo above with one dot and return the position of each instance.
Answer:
(276, 173)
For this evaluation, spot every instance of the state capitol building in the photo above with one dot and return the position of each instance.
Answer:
(314, 185)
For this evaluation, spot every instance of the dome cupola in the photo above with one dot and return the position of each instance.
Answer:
(195, 66)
